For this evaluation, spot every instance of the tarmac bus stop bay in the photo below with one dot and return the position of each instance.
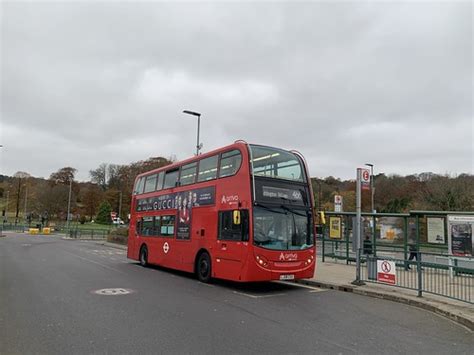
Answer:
(242, 212)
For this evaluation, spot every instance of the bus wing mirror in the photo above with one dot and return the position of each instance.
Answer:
(237, 217)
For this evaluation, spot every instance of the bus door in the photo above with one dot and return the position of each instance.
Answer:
(232, 238)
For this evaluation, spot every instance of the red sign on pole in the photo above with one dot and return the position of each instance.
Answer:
(386, 272)
(365, 179)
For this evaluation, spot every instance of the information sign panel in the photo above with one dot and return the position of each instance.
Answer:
(386, 272)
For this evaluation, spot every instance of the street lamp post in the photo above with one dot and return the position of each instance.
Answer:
(198, 115)
(26, 201)
(6, 207)
(69, 203)
(120, 207)
(372, 187)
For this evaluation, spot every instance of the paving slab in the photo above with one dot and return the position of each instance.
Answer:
(339, 276)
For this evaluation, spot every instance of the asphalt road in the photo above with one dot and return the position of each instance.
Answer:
(48, 306)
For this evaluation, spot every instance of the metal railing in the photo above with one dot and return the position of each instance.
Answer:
(88, 233)
(443, 275)
(76, 233)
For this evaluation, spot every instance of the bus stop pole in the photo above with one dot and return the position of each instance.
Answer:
(357, 235)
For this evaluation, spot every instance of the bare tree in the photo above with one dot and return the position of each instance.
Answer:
(63, 175)
(20, 176)
(99, 175)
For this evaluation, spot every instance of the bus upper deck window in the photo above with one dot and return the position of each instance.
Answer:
(171, 178)
(188, 174)
(208, 168)
(150, 183)
(230, 163)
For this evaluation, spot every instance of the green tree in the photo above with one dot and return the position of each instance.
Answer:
(103, 216)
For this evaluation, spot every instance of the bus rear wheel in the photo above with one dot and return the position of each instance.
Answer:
(144, 256)
(203, 269)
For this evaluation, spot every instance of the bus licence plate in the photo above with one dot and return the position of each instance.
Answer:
(287, 277)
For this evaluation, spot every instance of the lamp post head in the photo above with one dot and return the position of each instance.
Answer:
(368, 164)
(193, 113)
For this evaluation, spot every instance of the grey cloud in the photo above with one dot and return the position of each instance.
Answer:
(342, 82)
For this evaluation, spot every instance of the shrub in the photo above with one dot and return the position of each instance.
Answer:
(118, 235)
(103, 216)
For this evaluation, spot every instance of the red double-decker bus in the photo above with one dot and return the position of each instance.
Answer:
(242, 213)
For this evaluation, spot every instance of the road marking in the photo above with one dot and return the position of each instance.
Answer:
(312, 288)
(259, 296)
(113, 291)
(95, 262)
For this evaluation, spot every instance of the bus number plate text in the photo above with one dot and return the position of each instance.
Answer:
(287, 277)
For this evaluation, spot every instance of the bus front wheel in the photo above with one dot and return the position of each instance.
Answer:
(144, 256)
(204, 268)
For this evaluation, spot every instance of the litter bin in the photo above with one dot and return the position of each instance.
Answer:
(371, 267)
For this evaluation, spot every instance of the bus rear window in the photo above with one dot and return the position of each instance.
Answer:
(139, 186)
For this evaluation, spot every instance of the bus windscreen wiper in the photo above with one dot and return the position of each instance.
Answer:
(292, 210)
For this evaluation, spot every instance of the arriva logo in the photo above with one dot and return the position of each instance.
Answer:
(233, 199)
(288, 256)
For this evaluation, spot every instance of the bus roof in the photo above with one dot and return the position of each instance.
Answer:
(177, 164)
(238, 143)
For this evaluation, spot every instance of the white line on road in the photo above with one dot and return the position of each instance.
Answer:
(259, 296)
(312, 288)
(95, 262)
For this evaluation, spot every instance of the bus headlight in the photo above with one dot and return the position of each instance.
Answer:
(262, 261)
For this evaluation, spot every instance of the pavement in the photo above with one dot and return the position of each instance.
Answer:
(338, 275)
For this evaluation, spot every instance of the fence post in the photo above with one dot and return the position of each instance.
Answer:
(323, 244)
(347, 237)
(419, 271)
(374, 240)
(405, 242)
(92, 234)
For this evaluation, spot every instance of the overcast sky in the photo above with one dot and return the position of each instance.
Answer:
(345, 83)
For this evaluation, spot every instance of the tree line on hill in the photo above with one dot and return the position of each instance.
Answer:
(398, 194)
(34, 198)
(110, 188)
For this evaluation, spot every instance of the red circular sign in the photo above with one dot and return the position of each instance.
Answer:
(386, 267)
(365, 175)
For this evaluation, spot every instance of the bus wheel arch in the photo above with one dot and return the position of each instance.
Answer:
(203, 266)
(143, 255)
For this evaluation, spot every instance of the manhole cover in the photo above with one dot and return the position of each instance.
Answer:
(113, 291)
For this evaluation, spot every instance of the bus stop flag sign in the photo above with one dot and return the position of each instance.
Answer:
(365, 179)
(386, 272)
